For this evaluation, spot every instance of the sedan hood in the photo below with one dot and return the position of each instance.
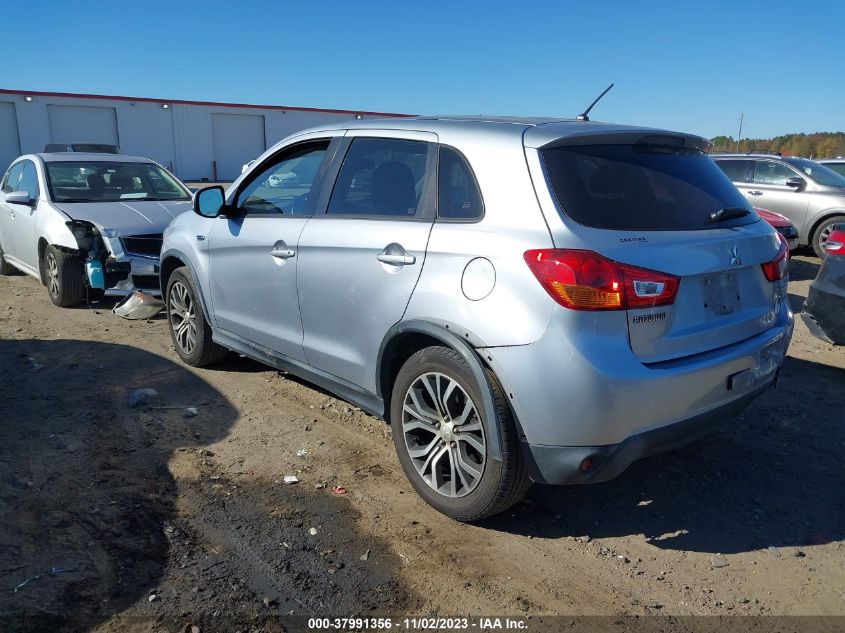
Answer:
(129, 217)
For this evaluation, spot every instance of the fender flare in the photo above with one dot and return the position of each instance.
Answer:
(449, 338)
(818, 218)
(187, 262)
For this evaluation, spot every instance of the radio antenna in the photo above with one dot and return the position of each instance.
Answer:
(583, 116)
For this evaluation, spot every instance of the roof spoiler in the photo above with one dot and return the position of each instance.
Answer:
(632, 137)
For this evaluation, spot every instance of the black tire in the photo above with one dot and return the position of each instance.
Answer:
(501, 484)
(63, 275)
(819, 236)
(182, 301)
(6, 268)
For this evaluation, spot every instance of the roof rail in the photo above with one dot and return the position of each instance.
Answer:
(764, 151)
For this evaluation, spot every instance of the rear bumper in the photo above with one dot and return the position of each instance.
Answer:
(561, 465)
(580, 385)
(824, 315)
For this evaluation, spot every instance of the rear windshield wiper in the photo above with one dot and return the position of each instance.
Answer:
(728, 213)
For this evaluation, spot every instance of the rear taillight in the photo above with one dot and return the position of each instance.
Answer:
(836, 241)
(778, 267)
(584, 280)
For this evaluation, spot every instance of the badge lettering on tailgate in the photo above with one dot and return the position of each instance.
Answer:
(649, 318)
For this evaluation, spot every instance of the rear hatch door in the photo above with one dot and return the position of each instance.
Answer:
(663, 205)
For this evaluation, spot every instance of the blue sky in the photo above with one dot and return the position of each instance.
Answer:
(692, 66)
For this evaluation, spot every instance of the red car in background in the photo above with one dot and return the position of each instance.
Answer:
(782, 225)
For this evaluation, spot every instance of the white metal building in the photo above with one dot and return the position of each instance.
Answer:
(194, 139)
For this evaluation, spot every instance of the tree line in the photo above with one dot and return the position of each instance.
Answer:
(818, 145)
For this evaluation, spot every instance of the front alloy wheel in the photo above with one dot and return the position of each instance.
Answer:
(191, 334)
(52, 274)
(444, 435)
(183, 317)
(63, 276)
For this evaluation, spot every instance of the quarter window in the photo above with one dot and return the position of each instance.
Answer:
(10, 182)
(285, 185)
(381, 177)
(458, 197)
(768, 172)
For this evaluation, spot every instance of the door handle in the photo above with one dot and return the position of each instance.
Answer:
(755, 192)
(281, 250)
(396, 259)
(12, 213)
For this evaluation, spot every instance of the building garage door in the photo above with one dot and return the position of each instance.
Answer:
(82, 124)
(238, 138)
(10, 146)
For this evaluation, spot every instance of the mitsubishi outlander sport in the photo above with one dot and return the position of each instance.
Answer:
(523, 300)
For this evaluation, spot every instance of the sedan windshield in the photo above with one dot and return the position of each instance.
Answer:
(95, 181)
(820, 173)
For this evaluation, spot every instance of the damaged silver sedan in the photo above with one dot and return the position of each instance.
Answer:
(87, 223)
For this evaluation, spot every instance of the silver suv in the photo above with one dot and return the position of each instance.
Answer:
(523, 300)
(810, 194)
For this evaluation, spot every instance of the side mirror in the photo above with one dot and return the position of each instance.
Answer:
(209, 202)
(797, 183)
(19, 197)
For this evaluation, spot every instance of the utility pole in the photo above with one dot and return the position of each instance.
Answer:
(739, 136)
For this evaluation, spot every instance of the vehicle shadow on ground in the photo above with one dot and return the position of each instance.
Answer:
(796, 302)
(802, 270)
(237, 363)
(85, 483)
(772, 477)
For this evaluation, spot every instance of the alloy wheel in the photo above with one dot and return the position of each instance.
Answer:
(825, 234)
(52, 275)
(444, 435)
(182, 317)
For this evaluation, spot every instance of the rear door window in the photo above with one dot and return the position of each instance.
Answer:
(641, 187)
(381, 177)
(736, 170)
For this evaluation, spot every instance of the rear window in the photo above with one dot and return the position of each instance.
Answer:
(641, 187)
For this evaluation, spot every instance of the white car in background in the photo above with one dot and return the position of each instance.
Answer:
(87, 222)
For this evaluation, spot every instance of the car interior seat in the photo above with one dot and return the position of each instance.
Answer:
(393, 189)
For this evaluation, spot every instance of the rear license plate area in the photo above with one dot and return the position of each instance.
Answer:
(721, 293)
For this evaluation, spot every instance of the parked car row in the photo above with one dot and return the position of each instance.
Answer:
(811, 195)
(521, 299)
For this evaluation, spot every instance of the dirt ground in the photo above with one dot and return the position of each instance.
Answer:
(142, 519)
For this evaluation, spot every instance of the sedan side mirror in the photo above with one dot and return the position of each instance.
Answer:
(209, 202)
(19, 197)
(797, 183)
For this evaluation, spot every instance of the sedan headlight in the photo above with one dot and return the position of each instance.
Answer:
(85, 234)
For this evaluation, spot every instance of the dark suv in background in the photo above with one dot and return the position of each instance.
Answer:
(810, 194)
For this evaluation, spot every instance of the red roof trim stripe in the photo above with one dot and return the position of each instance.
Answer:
(36, 93)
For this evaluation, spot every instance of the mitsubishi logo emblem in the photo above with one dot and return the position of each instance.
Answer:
(736, 260)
